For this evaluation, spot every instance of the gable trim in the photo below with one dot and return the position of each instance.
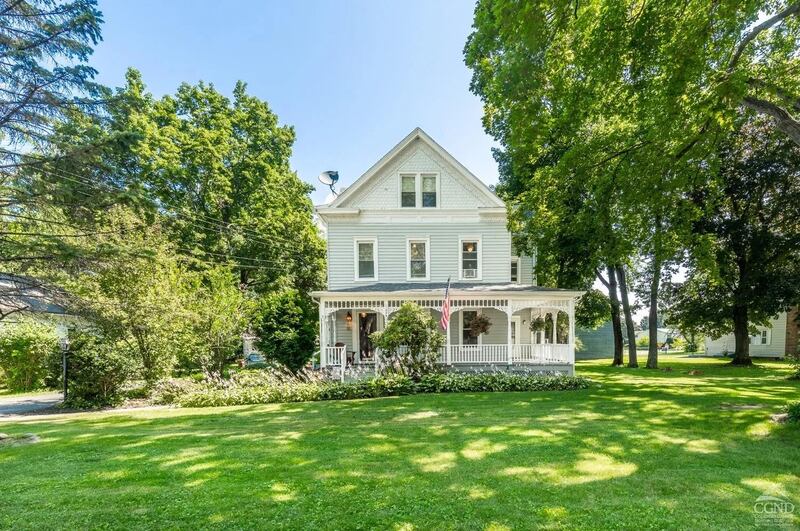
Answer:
(425, 138)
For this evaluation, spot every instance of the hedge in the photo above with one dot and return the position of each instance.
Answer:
(267, 390)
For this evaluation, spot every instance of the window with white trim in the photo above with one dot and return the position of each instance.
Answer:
(762, 337)
(365, 256)
(470, 258)
(515, 270)
(418, 259)
(428, 190)
(419, 190)
(408, 190)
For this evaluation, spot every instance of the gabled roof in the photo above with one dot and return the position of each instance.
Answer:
(416, 134)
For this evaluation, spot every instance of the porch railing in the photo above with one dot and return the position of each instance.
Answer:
(334, 355)
(541, 353)
(538, 354)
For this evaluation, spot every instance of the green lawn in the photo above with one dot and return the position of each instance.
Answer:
(640, 449)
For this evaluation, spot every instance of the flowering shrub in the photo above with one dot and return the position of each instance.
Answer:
(272, 386)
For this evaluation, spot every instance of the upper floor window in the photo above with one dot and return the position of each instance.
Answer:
(428, 190)
(418, 259)
(365, 257)
(408, 190)
(515, 270)
(419, 190)
(470, 259)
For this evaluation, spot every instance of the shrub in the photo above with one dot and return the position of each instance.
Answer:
(25, 350)
(410, 342)
(286, 327)
(793, 410)
(97, 370)
(262, 387)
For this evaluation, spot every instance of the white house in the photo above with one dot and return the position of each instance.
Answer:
(774, 341)
(413, 220)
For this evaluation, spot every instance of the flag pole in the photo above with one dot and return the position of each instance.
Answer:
(448, 355)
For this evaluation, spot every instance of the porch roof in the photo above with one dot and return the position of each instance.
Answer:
(457, 288)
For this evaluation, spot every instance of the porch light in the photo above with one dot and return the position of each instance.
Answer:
(363, 314)
(349, 319)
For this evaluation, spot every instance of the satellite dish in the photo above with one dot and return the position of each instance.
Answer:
(329, 178)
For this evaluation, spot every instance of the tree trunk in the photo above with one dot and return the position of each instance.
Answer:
(652, 318)
(626, 308)
(741, 333)
(615, 321)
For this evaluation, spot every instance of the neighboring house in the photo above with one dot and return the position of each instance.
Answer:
(768, 342)
(413, 220)
(594, 344)
(31, 299)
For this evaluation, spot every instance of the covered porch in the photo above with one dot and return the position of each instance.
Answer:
(348, 317)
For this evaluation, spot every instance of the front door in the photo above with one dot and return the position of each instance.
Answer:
(367, 324)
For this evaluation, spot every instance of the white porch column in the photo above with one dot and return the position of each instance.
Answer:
(323, 325)
(554, 317)
(572, 332)
(508, 332)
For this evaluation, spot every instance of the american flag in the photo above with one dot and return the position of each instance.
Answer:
(445, 321)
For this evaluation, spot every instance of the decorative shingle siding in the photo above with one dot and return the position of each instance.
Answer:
(382, 191)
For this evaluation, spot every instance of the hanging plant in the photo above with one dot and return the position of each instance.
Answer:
(537, 324)
(480, 324)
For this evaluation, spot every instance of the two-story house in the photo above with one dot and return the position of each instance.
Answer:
(398, 233)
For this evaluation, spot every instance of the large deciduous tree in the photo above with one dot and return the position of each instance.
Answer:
(607, 106)
(744, 266)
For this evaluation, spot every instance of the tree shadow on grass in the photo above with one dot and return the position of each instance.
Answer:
(617, 455)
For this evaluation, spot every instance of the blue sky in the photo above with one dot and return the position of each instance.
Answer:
(353, 77)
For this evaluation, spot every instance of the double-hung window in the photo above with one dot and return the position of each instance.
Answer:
(470, 258)
(419, 190)
(428, 190)
(515, 270)
(418, 259)
(366, 259)
(760, 338)
(408, 190)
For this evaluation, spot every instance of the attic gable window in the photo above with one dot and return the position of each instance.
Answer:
(419, 190)
(428, 190)
(408, 191)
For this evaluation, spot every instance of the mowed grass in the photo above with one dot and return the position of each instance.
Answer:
(640, 449)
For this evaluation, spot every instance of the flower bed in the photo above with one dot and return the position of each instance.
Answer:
(265, 387)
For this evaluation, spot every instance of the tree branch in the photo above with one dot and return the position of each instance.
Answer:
(784, 121)
(793, 9)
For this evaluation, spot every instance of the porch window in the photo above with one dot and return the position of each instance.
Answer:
(429, 190)
(515, 270)
(408, 191)
(365, 260)
(470, 259)
(418, 259)
(466, 331)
